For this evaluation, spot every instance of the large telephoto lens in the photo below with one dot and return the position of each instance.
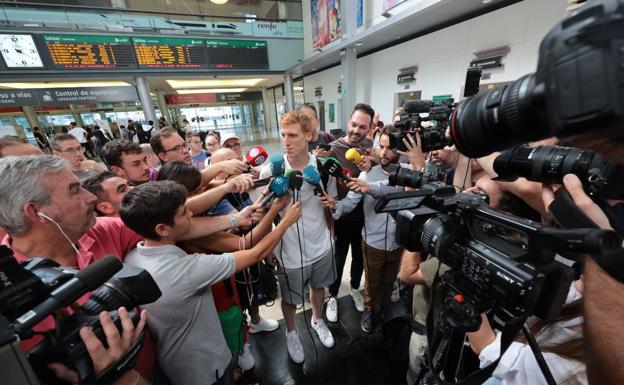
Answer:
(546, 164)
(498, 119)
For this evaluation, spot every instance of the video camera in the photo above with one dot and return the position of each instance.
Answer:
(40, 287)
(498, 261)
(410, 122)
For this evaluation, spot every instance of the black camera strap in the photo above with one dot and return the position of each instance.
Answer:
(125, 363)
(435, 339)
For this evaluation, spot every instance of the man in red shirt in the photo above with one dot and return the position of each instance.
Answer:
(47, 213)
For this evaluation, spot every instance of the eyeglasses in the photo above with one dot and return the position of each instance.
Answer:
(73, 150)
(233, 145)
(179, 147)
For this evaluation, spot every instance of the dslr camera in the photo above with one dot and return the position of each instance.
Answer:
(411, 122)
(38, 288)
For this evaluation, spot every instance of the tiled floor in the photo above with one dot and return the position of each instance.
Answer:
(357, 358)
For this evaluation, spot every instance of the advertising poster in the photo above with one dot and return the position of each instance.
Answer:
(325, 21)
(388, 4)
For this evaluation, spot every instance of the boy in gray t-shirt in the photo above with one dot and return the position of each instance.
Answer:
(191, 347)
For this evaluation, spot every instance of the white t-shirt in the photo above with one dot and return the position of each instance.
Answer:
(313, 231)
(79, 133)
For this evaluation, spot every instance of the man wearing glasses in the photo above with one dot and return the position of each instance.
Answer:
(233, 142)
(69, 148)
(169, 146)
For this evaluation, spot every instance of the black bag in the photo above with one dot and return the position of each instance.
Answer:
(259, 281)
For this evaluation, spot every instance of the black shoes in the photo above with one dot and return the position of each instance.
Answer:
(366, 322)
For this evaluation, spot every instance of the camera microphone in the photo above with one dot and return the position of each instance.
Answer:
(256, 156)
(334, 168)
(313, 177)
(353, 155)
(87, 279)
(277, 165)
(295, 181)
(277, 188)
(417, 106)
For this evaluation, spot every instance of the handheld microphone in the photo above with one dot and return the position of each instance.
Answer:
(277, 165)
(313, 177)
(256, 156)
(277, 188)
(353, 155)
(334, 168)
(87, 279)
(295, 181)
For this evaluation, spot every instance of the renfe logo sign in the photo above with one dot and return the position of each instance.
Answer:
(270, 29)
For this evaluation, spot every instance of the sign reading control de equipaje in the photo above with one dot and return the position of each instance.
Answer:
(61, 96)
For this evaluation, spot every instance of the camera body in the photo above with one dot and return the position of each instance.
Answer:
(432, 137)
(497, 261)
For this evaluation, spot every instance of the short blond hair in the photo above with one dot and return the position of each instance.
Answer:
(297, 117)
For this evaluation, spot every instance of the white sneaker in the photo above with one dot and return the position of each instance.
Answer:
(246, 360)
(358, 300)
(323, 333)
(331, 311)
(265, 325)
(295, 350)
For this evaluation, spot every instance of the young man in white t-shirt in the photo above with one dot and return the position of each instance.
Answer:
(305, 253)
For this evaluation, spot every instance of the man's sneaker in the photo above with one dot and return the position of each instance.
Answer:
(246, 359)
(358, 300)
(331, 311)
(265, 325)
(366, 322)
(323, 333)
(295, 350)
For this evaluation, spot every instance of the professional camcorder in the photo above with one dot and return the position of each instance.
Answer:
(410, 122)
(577, 88)
(38, 288)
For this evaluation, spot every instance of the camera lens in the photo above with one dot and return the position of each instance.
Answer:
(497, 119)
(438, 234)
(405, 177)
(547, 164)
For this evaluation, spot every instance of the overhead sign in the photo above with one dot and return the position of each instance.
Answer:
(237, 54)
(210, 98)
(406, 78)
(159, 52)
(492, 62)
(441, 98)
(88, 52)
(63, 96)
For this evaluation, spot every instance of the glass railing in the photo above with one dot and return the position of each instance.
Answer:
(236, 17)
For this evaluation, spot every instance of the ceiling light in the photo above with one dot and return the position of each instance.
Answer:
(210, 90)
(397, 36)
(215, 83)
(486, 1)
(358, 44)
(64, 84)
(219, 2)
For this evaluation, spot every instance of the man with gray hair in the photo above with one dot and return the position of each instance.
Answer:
(46, 212)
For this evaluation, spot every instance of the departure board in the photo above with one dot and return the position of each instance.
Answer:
(89, 52)
(156, 52)
(237, 54)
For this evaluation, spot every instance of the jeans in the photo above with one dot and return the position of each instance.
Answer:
(348, 233)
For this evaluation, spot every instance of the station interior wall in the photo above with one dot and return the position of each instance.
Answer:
(442, 58)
